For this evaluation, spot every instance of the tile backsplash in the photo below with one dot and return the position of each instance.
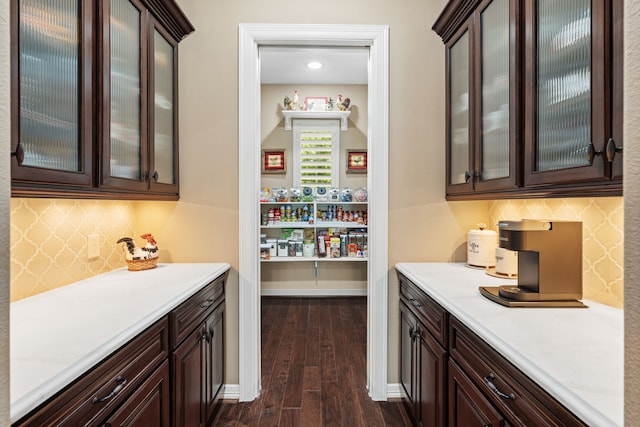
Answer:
(49, 241)
(602, 234)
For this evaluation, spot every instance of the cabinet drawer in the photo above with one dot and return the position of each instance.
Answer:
(429, 312)
(188, 315)
(95, 395)
(520, 399)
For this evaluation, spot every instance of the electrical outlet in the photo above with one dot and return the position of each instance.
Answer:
(93, 246)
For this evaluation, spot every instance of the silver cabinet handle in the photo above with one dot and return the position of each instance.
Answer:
(489, 380)
(117, 389)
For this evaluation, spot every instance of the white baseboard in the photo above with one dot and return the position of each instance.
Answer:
(395, 391)
(232, 391)
(313, 292)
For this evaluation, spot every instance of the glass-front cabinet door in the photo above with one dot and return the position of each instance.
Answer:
(163, 114)
(566, 91)
(124, 160)
(459, 99)
(496, 108)
(52, 83)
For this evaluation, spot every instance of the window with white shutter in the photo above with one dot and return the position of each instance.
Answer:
(316, 153)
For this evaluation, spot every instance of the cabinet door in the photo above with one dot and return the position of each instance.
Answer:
(408, 357)
(496, 85)
(148, 405)
(163, 114)
(214, 361)
(188, 384)
(124, 86)
(467, 406)
(567, 100)
(52, 79)
(459, 118)
(431, 381)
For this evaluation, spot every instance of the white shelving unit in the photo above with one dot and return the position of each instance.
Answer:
(315, 223)
(343, 116)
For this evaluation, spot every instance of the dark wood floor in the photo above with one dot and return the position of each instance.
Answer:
(314, 368)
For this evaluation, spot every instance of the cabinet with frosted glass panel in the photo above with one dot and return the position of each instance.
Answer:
(96, 98)
(534, 97)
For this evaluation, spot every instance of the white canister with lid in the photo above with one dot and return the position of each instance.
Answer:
(481, 247)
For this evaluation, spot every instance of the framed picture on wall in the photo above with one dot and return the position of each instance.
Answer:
(274, 161)
(356, 161)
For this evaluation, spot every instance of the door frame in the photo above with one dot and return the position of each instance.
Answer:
(251, 36)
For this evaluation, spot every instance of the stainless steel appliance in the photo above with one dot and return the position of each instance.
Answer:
(549, 264)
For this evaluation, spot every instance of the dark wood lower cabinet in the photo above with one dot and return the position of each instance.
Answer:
(148, 406)
(198, 368)
(451, 377)
(467, 405)
(214, 362)
(171, 374)
(423, 371)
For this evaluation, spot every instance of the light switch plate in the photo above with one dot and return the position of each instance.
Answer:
(93, 246)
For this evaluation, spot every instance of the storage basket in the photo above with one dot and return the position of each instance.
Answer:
(142, 264)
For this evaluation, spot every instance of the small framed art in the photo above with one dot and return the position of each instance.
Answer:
(356, 161)
(316, 103)
(274, 160)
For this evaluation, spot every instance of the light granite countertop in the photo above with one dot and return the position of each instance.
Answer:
(577, 355)
(58, 335)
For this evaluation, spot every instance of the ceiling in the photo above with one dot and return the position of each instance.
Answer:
(287, 65)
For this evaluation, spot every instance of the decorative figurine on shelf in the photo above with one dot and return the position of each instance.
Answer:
(140, 258)
(343, 104)
(288, 103)
(296, 99)
(331, 104)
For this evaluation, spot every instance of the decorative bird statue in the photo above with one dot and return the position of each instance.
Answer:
(288, 103)
(133, 252)
(343, 104)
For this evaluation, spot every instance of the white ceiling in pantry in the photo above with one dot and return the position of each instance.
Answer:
(287, 65)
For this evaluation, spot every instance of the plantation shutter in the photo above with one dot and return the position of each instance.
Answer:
(316, 153)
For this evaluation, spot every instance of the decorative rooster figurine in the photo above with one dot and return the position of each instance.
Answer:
(343, 105)
(150, 250)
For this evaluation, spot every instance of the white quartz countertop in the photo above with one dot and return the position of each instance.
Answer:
(58, 335)
(577, 355)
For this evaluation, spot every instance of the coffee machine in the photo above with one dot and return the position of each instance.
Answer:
(549, 264)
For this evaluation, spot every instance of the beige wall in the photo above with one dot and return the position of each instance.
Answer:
(4, 212)
(631, 210)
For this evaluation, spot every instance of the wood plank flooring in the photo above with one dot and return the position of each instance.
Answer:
(314, 368)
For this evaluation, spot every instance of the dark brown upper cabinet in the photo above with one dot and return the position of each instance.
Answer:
(533, 98)
(94, 98)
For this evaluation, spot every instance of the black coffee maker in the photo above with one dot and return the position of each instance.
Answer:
(549, 264)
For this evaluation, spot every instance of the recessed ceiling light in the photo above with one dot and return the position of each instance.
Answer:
(315, 65)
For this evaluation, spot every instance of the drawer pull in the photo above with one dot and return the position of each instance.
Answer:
(489, 380)
(207, 303)
(415, 303)
(117, 389)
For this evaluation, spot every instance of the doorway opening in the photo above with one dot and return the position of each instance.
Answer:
(251, 37)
